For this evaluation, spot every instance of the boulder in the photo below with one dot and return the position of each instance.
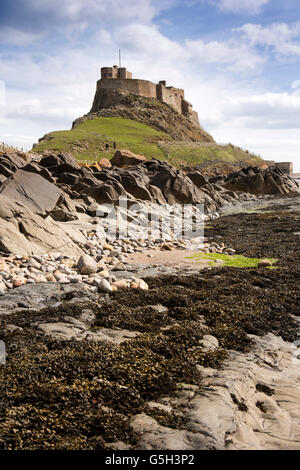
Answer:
(87, 265)
(104, 163)
(35, 168)
(125, 158)
(62, 163)
(32, 191)
(136, 186)
(197, 178)
(107, 193)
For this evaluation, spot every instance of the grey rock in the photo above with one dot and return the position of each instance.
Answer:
(104, 286)
(87, 265)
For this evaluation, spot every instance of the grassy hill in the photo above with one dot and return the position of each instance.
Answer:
(178, 153)
(87, 141)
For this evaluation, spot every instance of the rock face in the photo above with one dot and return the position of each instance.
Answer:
(256, 181)
(32, 191)
(241, 407)
(148, 111)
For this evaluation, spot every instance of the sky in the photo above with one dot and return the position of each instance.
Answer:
(238, 61)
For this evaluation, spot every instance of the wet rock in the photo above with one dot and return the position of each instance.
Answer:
(209, 342)
(257, 181)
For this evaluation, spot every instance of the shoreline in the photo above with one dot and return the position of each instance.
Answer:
(165, 408)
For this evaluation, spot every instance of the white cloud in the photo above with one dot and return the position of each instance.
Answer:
(282, 37)
(270, 144)
(236, 55)
(2, 94)
(242, 6)
(144, 41)
(147, 41)
(16, 37)
(27, 20)
(259, 111)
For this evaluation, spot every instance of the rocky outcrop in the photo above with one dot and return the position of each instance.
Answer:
(256, 181)
(31, 190)
(38, 198)
(149, 111)
(252, 403)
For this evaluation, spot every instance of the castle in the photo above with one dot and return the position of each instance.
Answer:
(119, 79)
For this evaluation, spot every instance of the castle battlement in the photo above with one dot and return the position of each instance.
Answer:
(115, 78)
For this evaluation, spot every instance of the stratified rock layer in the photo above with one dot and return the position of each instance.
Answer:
(254, 180)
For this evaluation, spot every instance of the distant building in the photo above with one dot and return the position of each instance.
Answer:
(286, 167)
(115, 78)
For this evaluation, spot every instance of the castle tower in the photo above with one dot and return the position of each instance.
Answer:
(115, 72)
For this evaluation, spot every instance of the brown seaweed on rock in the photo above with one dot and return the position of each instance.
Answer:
(57, 394)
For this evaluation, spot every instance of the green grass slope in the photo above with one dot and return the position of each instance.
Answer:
(87, 142)
(196, 154)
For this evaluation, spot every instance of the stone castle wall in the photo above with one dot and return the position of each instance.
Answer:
(109, 81)
(171, 96)
(134, 86)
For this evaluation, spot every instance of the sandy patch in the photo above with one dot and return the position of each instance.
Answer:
(167, 258)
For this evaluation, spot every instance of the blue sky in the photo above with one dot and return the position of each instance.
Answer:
(237, 60)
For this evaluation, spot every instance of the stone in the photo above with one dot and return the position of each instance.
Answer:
(108, 247)
(142, 284)
(60, 330)
(104, 274)
(58, 275)
(125, 158)
(209, 342)
(264, 263)
(19, 282)
(87, 265)
(229, 251)
(104, 286)
(166, 247)
(104, 163)
(39, 279)
(120, 285)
